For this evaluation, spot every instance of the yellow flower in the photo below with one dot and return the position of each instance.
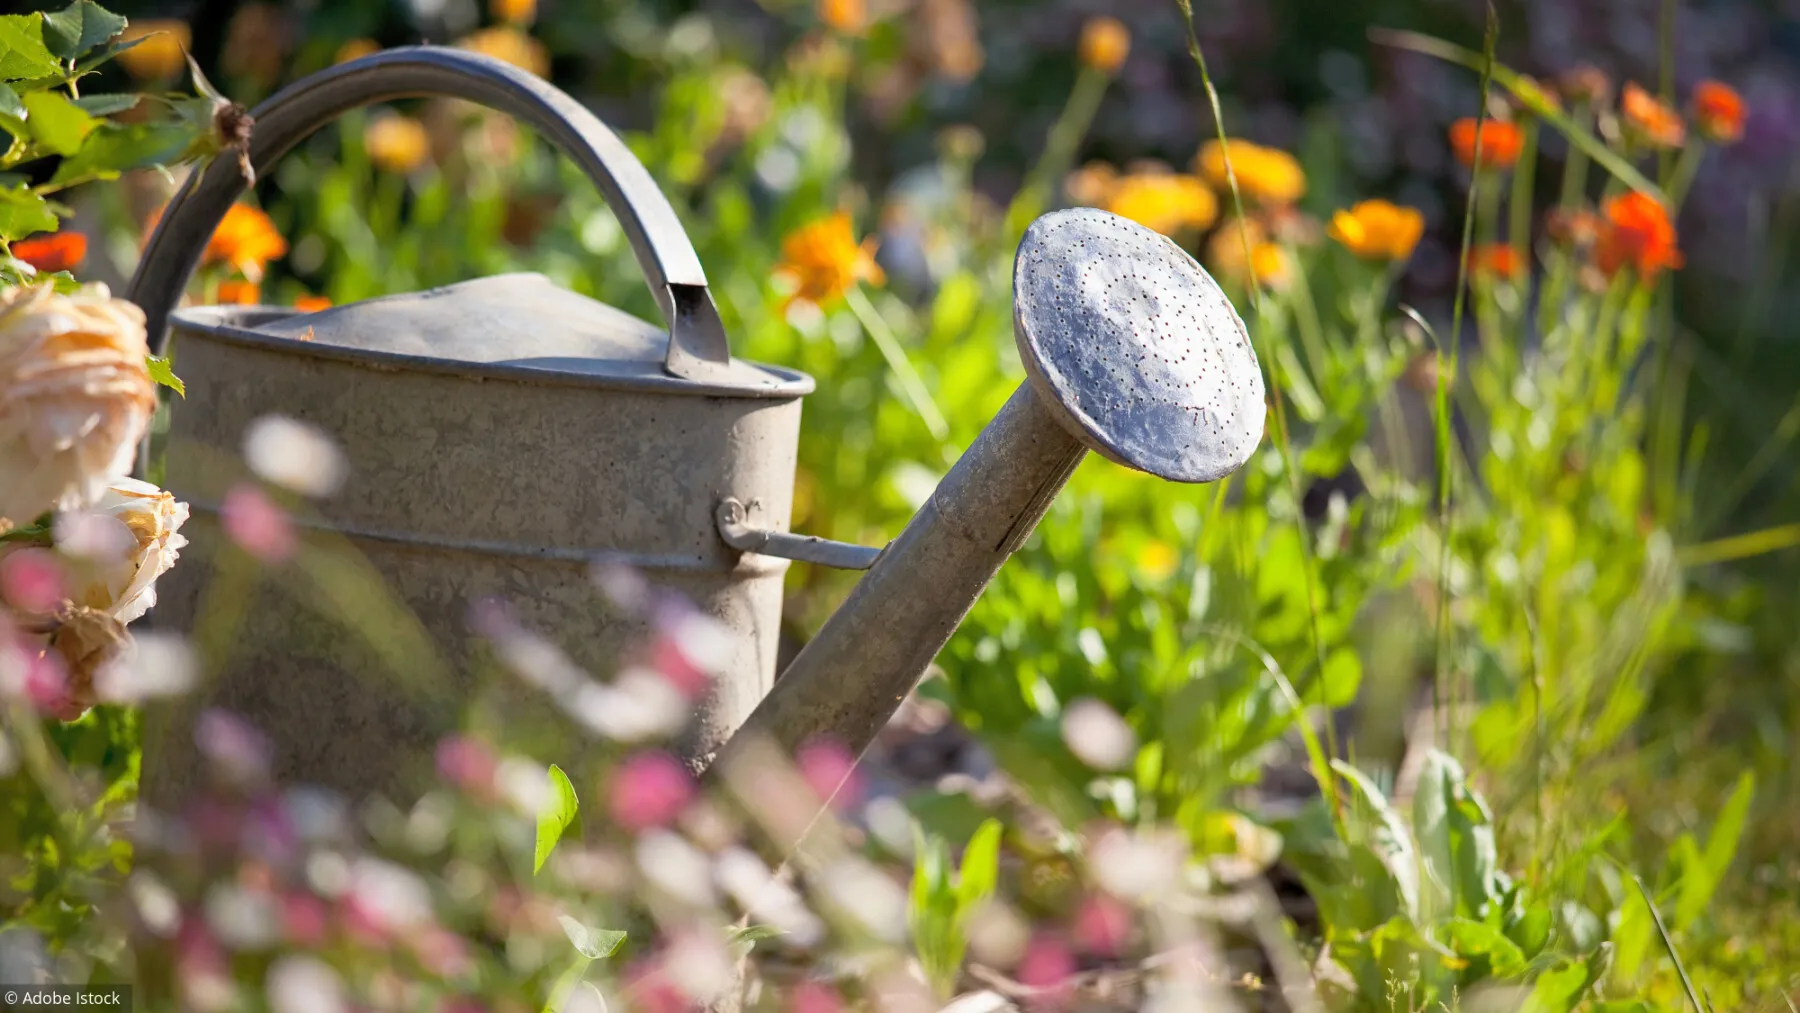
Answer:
(1158, 560)
(510, 45)
(1378, 230)
(75, 396)
(397, 144)
(162, 54)
(356, 49)
(1166, 202)
(1105, 42)
(847, 16)
(1264, 174)
(823, 259)
(1225, 254)
(1092, 184)
(517, 12)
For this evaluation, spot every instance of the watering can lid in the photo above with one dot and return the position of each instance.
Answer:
(510, 324)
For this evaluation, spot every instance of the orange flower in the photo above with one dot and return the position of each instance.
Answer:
(1269, 175)
(396, 144)
(246, 239)
(509, 45)
(1378, 230)
(1718, 112)
(847, 16)
(822, 260)
(58, 251)
(1225, 254)
(1501, 143)
(162, 54)
(356, 49)
(1105, 42)
(518, 12)
(233, 292)
(1650, 120)
(1637, 232)
(1499, 261)
(1164, 201)
(312, 303)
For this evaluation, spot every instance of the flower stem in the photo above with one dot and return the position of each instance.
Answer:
(910, 384)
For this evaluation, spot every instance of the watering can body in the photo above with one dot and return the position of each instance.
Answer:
(503, 435)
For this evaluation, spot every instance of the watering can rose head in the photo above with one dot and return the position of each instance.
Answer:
(75, 396)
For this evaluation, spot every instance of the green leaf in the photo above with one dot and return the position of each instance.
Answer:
(980, 870)
(92, 61)
(1558, 990)
(113, 148)
(10, 106)
(1388, 839)
(556, 817)
(1531, 931)
(163, 372)
(594, 944)
(1479, 941)
(56, 123)
(79, 27)
(23, 212)
(107, 105)
(743, 940)
(23, 54)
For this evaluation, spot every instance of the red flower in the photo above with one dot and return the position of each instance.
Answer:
(1637, 232)
(1501, 142)
(58, 251)
(1649, 119)
(1718, 113)
(1496, 260)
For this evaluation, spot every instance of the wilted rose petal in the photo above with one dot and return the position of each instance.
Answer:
(257, 525)
(294, 455)
(301, 984)
(830, 768)
(649, 790)
(1102, 925)
(88, 642)
(31, 579)
(1097, 735)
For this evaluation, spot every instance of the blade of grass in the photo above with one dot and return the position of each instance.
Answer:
(1290, 462)
(1662, 931)
(1526, 93)
(910, 384)
(1744, 546)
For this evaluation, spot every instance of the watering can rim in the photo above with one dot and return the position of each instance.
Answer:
(242, 326)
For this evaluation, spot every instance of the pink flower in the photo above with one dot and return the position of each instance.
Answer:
(31, 580)
(828, 767)
(238, 750)
(468, 764)
(304, 919)
(257, 525)
(1102, 925)
(667, 657)
(649, 990)
(649, 790)
(441, 952)
(1047, 967)
(815, 997)
(47, 687)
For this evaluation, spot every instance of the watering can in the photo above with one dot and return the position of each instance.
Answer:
(502, 434)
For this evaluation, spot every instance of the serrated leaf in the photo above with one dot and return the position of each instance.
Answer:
(79, 27)
(23, 212)
(23, 54)
(107, 105)
(594, 944)
(113, 148)
(93, 60)
(10, 106)
(56, 123)
(163, 372)
(556, 817)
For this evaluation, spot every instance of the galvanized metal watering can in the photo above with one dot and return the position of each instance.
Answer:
(503, 433)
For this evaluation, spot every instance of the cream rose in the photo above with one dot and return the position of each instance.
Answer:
(120, 545)
(75, 396)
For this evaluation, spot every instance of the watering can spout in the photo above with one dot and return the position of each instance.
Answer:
(1132, 351)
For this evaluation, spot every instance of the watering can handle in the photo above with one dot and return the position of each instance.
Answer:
(698, 348)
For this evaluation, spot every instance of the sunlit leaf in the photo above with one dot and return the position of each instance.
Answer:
(163, 372)
(79, 27)
(594, 944)
(23, 212)
(980, 866)
(556, 816)
(23, 54)
(56, 123)
(107, 104)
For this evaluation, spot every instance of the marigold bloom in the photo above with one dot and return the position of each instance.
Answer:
(508, 44)
(356, 49)
(247, 240)
(397, 144)
(847, 16)
(75, 396)
(1501, 142)
(236, 292)
(1166, 202)
(1637, 233)
(1718, 112)
(1264, 174)
(162, 54)
(1378, 229)
(518, 12)
(57, 251)
(1105, 43)
(1225, 254)
(1650, 120)
(823, 259)
(1496, 261)
(312, 303)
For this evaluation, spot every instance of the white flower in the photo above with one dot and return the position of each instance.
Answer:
(127, 540)
(75, 397)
